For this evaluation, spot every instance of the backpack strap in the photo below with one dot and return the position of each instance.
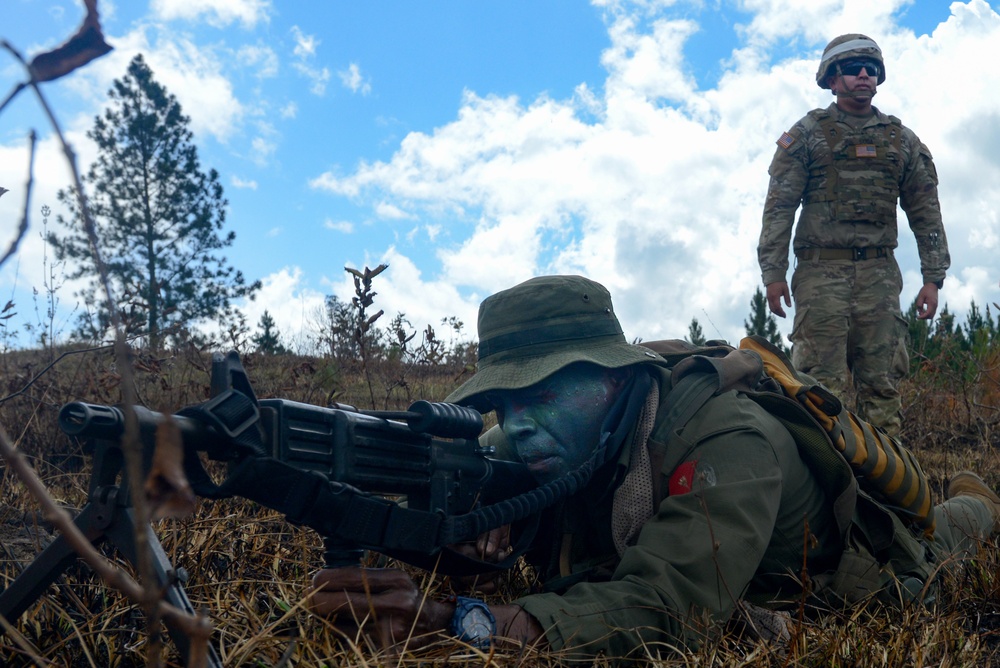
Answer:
(697, 375)
(884, 467)
(685, 398)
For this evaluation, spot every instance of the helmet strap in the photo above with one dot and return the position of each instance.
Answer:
(851, 93)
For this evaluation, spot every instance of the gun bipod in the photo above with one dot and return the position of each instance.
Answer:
(107, 517)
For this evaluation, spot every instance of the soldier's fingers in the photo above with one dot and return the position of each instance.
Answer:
(360, 579)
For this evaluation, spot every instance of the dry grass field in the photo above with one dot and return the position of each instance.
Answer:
(247, 568)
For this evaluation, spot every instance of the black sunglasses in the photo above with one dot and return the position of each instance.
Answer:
(852, 68)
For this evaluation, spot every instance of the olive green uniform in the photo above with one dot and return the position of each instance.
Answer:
(848, 173)
(736, 502)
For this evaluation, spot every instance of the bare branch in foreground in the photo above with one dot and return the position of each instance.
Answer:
(22, 229)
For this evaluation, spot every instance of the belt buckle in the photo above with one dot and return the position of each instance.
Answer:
(860, 254)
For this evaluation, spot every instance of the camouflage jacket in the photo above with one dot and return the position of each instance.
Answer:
(737, 497)
(847, 180)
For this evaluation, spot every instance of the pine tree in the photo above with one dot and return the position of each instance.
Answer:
(763, 323)
(268, 341)
(977, 332)
(334, 329)
(993, 328)
(695, 335)
(948, 332)
(159, 219)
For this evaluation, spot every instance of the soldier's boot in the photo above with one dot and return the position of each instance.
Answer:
(968, 483)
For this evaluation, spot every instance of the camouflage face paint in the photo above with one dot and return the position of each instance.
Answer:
(555, 425)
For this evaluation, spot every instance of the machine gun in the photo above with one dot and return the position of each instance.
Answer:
(329, 468)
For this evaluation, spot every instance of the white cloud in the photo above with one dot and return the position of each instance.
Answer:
(261, 150)
(260, 56)
(660, 198)
(218, 13)
(344, 226)
(237, 182)
(648, 65)
(403, 289)
(305, 45)
(318, 76)
(391, 212)
(292, 306)
(31, 276)
(648, 182)
(330, 182)
(305, 50)
(351, 79)
(191, 72)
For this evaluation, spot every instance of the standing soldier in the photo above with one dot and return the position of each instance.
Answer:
(847, 166)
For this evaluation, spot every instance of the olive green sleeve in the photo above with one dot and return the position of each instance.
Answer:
(691, 561)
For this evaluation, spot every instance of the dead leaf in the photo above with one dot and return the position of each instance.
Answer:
(86, 45)
(167, 488)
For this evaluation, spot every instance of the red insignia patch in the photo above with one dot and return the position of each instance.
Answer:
(682, 479)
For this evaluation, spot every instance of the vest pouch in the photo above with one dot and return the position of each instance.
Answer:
(858, 574)
(881, 557)
(904, 564)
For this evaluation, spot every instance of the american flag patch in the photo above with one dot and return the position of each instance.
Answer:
(785, 140)
(865, 151)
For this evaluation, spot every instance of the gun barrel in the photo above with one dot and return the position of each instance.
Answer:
(85, 420)
(91, 420)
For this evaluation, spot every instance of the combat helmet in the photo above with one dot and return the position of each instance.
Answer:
(846, 47)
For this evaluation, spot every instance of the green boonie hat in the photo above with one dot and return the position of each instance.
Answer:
(530, 331)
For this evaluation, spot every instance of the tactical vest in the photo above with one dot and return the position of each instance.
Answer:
(859, 173)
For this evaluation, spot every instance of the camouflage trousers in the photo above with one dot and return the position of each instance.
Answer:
(850, 335)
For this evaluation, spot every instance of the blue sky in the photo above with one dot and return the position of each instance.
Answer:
(472, 145)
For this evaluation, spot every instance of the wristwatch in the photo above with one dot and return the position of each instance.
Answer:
(473, 622)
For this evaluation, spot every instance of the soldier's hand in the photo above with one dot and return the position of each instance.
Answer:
(492, 546)
(381, 602)
(776, 293)
(927, 301)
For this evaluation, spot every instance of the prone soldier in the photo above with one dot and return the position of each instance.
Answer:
(674, 527)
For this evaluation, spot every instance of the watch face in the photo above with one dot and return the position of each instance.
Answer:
(476, 624)
(473, 622)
